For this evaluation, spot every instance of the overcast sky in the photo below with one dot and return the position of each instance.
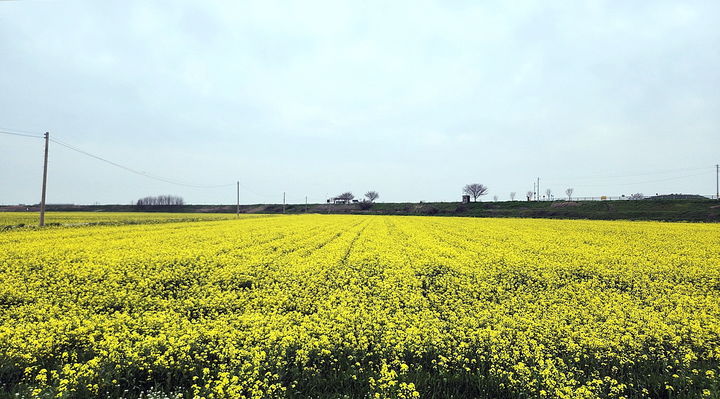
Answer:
(412, 99)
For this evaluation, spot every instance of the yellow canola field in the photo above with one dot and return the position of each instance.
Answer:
(362, 306)
(14, 219)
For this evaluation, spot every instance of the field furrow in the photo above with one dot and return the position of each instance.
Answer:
(362, 306)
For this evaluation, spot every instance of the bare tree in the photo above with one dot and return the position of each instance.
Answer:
(569, 193)
(548, 193)
(512, 196)
(495, 198)
(475, 190)
(346, 196)
(372, 196)
(160, 200)
(637, 196)
(529, 195)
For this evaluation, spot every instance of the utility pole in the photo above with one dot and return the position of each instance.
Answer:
(538, 189)
(534, 191)
(237, 212)
(283, 201)
(717, 182)
(306, 204)
(44, 186)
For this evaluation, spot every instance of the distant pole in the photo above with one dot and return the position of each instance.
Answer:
(538, 189)
(283, 201)
(534, 191)
(237, 213)
(44, 186)
(717, 182)
(306, 204)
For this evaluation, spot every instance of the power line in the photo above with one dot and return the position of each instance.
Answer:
(137, 172)
(245, 188)
(21, 134)
(647, 181)
(666, 171)
(35, 132)
(15, 132)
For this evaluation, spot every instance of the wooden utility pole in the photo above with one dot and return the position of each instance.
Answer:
(238, 200)
(283, 201)
(306, 204)
(717, 182)
(44, 186)
(538, 189)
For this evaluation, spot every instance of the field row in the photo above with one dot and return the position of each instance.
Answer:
(29, 219)
(363, 306)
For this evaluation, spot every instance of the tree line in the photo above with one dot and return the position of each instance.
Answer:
(476, 190)
(348, 196)
(160, 200)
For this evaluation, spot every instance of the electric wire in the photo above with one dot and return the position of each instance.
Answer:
(20, 134)
(137, 172)
(660, 172)
(647, 181)
(245, 189)
(34, 132)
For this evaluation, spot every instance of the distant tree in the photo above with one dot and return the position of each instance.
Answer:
(569, 193)
(512, 196)
(160, 200)
(495, 198)
(372, 196)
(346, 196)
(548, 193)
(529, 195)
(637, 196)
(475, 190)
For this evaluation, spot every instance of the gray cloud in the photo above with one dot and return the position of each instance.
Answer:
(413, 99)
